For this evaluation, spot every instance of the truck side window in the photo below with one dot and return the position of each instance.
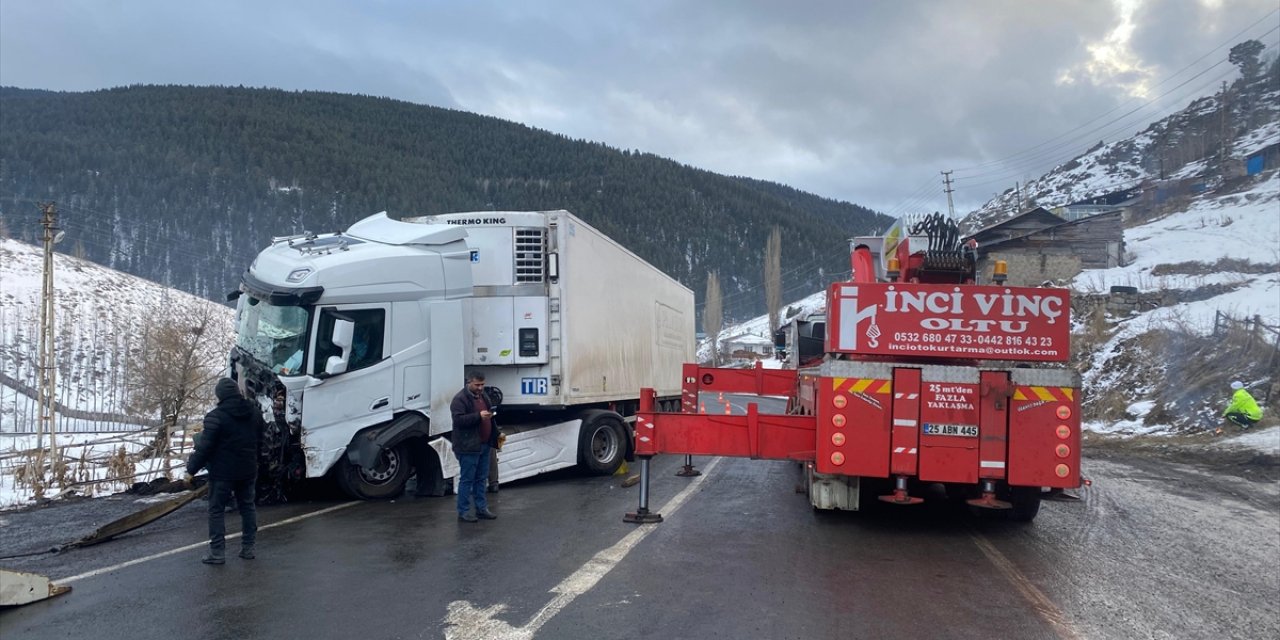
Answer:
(367, 339)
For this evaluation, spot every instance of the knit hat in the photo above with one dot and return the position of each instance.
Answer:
(1237, 385)
(226, 388)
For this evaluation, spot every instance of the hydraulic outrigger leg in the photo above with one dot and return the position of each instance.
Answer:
(988, 499)
(900, 495)
(642, 515)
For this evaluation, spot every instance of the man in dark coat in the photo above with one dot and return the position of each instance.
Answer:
(229, 447)
(474, 433)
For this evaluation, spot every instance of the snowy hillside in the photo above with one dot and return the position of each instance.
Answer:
(104, 320)
(1218, 258)
(1128, 163)
(108, 327)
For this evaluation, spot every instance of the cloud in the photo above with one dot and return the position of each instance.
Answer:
(865, 102)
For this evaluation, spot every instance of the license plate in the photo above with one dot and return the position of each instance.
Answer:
(963, 430)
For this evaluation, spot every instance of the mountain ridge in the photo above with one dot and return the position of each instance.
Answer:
(139, 171)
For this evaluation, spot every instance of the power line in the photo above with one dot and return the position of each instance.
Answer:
(1230, 40)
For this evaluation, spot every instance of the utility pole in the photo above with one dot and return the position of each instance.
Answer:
(47, 398)
(1017, 188)
(1225, 138)
(946, 182)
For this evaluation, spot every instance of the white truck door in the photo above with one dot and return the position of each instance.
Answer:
(335, 408)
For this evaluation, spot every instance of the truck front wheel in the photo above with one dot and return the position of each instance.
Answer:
(602, 444)
(386, 479)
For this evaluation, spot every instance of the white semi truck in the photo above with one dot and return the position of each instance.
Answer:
(355, 343)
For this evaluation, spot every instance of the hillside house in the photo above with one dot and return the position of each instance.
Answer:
(1052, 252)
(747, 345)
(1026, 222)
(1114, 201)
(1264, 159)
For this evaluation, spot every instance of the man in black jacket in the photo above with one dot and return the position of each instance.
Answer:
(474, 433)
(229, 447)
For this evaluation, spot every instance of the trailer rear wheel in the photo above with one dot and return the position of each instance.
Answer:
(1026, 503)
(602, 442)
(386, 479)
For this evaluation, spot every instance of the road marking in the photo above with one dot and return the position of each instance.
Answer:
(465, 622)
(1040, 602)
(232, 536)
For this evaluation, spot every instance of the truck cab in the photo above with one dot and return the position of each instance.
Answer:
(345, 333)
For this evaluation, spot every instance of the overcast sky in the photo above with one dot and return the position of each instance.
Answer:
(856, 100)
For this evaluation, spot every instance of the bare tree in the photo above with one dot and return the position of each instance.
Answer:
(180, 358)
(713, 316)
(773, 278)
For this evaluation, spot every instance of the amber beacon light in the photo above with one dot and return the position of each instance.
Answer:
(1000, 272)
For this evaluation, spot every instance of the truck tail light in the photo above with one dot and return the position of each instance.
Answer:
(840, 401)
(837, 459)
(838, 420)
(1062, 450)
(1063, 431)
(1064, 412)
(837, 439)
(1062, 470)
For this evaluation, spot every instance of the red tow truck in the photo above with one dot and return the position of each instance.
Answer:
(928, 377)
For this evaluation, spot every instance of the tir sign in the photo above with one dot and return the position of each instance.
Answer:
(533, 386)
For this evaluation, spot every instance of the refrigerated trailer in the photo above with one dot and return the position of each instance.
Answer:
(355, 343)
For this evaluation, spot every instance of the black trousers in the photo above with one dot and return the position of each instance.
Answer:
(1241, 419)
(220, 492)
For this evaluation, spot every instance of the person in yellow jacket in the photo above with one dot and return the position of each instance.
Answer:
(1243, 409)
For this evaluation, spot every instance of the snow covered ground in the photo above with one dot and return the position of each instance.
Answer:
(100, 316)
(90, 469)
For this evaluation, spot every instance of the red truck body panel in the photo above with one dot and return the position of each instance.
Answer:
(978, 322)
(908, 390)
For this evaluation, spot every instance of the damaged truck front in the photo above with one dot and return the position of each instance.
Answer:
(330, 332)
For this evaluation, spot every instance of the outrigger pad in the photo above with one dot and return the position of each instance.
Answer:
(1058, 495)
(642, 516)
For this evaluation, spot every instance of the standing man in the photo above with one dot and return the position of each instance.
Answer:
(1243, 409)
(473, 435)
(229, 447)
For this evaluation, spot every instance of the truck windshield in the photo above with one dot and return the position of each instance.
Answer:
(275, 336)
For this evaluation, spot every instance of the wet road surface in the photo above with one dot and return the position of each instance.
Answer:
(1152, 550)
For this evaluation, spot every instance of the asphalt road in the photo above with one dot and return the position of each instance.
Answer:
(1153, 550)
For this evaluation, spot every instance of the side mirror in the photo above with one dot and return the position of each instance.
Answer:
(343, 330)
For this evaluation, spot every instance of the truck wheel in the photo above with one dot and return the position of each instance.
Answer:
(602, 443)
(1026, 503)
(385, 480)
